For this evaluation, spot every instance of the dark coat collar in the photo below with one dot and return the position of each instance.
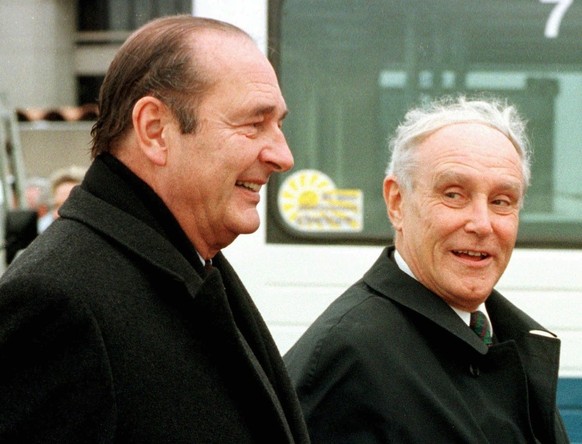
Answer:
(508, 321)
(388, 280)
(110, 180)
(117, 203)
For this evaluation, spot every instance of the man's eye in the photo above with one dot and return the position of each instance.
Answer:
(501, 202)
(452, 195)
(507, 203)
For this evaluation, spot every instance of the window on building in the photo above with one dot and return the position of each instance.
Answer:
(102, 26)
(125, 15)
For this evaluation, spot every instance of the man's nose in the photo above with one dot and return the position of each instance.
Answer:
(479, 219)
(277, 153)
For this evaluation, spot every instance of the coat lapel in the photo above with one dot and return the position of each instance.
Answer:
(388, 280)
(539, 352)
(264, 359)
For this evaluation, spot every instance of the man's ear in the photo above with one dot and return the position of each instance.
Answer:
(150, 120)
(393, 199)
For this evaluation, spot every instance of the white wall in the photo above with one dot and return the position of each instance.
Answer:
(49, 146)
(36, 47)
(248, 15)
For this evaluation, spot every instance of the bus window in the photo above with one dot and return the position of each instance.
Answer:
(349, 69)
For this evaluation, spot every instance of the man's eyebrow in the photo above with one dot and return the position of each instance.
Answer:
(268, 110)
(457, 177)
(511, 186)
(450, 177)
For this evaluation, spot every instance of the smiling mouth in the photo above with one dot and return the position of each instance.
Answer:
(249, 186)
(473, 255)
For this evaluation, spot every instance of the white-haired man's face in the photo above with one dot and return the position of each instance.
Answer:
(456, 228)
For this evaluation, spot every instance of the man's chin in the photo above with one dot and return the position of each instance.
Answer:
(249, 225)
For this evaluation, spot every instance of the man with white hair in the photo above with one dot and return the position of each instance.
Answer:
(423, 349)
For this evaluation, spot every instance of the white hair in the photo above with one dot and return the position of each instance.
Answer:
(421, 122)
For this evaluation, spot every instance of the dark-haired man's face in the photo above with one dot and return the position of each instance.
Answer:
(220, 170)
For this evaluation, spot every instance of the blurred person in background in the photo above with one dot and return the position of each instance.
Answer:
(62, 181)
(37, 194)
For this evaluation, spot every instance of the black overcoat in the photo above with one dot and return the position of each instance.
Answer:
(108, 334)
(390, 362)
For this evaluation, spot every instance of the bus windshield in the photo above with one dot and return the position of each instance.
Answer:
(349, 69)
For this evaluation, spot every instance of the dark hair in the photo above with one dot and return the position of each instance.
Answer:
(158, 60)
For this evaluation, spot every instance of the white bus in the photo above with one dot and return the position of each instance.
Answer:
(348, 70)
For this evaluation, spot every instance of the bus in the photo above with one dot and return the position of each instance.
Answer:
(348, 70)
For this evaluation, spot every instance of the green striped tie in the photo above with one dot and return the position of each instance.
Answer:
(480, 325)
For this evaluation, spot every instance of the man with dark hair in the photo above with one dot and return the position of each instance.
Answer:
(124, 322)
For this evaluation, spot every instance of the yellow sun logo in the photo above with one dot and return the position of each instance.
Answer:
(309, 201)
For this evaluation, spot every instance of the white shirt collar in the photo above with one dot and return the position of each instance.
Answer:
(201, 258)
(464, 315)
